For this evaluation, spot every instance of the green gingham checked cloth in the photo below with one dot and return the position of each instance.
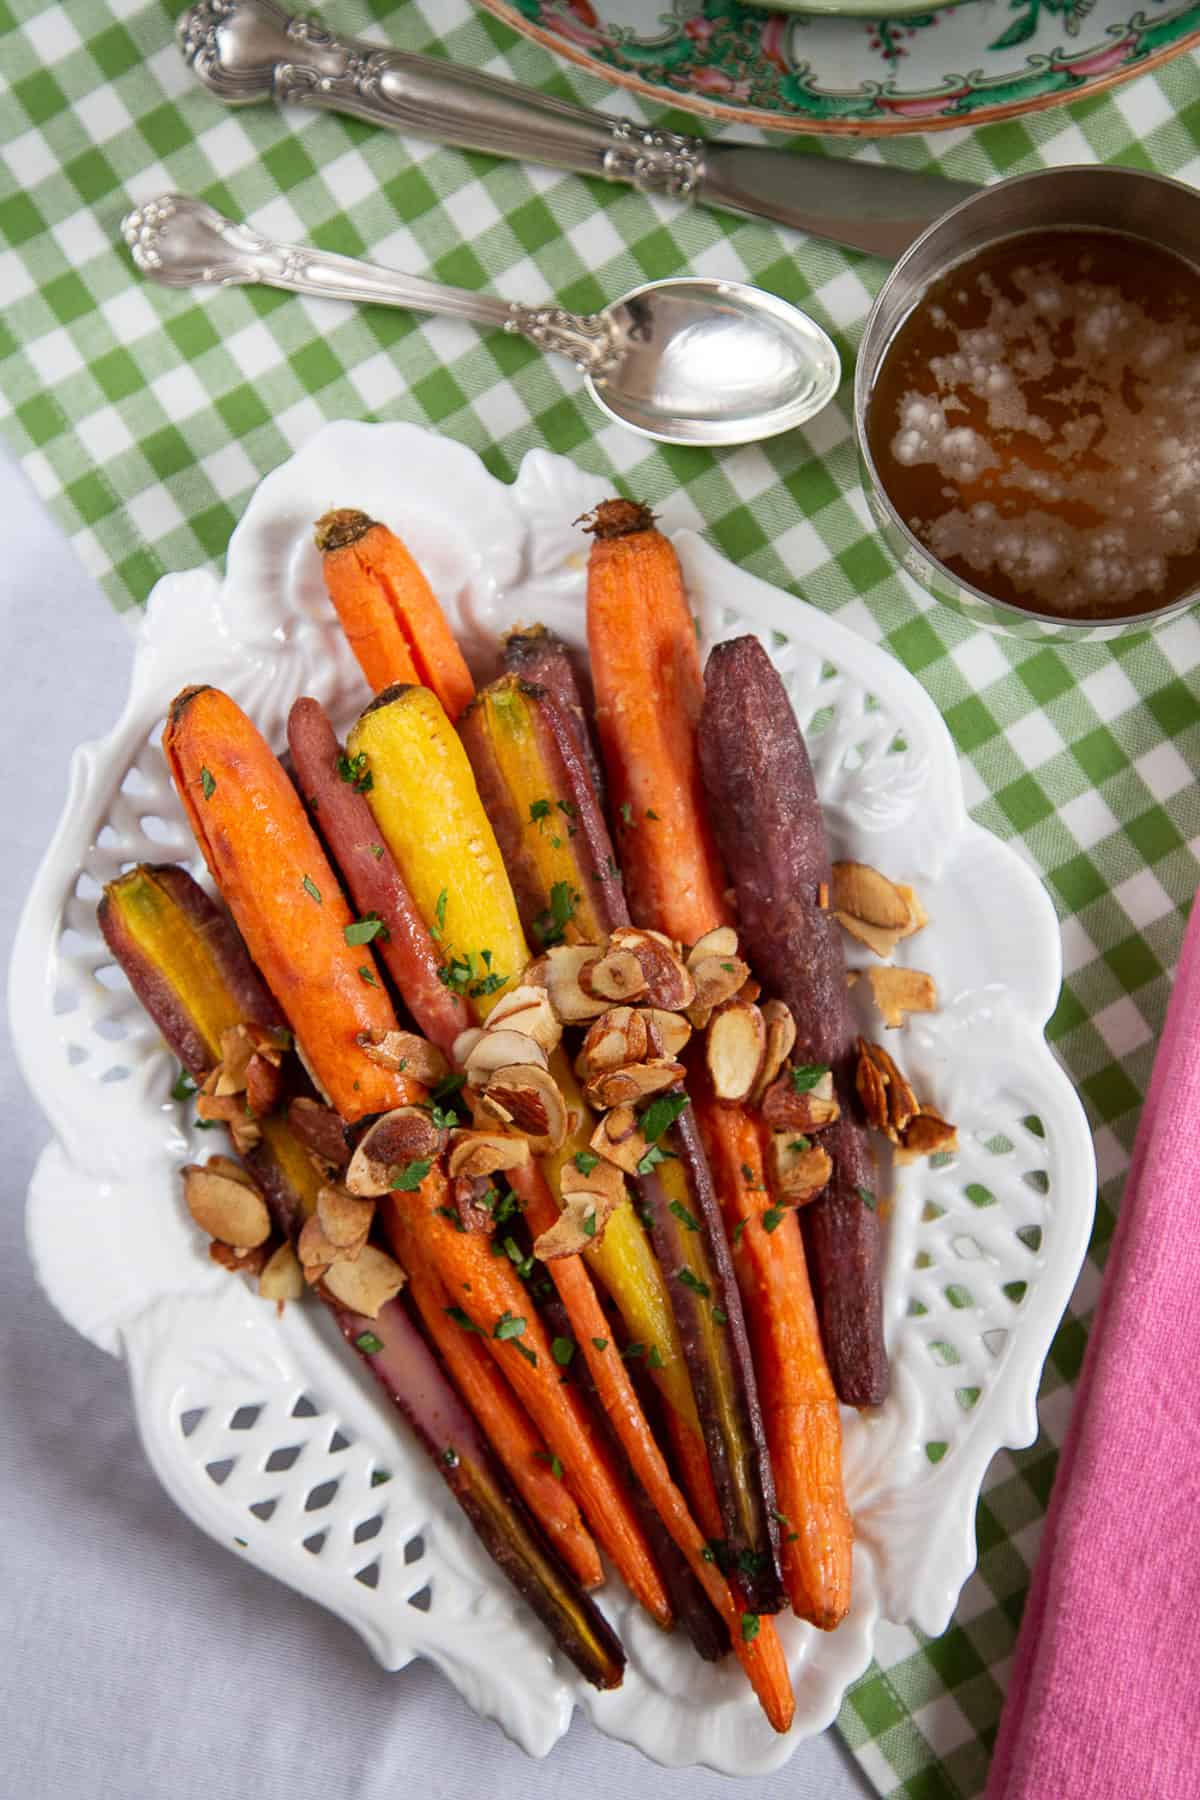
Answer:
(145, 419)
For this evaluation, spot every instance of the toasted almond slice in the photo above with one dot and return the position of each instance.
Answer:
(237, 1047)
(232, 1211)
(717, 979)
(618, 1139)
(871, 1086)
(615, 976)
(477, 1153)
(464, 1043)
(900, 991)
(282, 1277)
(734, 1047)
(474, 1200)
(811, 1110)
(918, 918)
(558, 971)
(345, 1219)
(603, 1178)
(233, 1171)
(667, 980)
(865, 894)
(902, 1103)
(882, 942)
(366, 1286)
(314, 1250)
(240, 1262)
(624, 1087)
(531, 1103)
(264, 1086)
(619, 1036)
(669, 1032)
(527, 1009)
(721, 943)
(781, 1036)
(319, 1128)
(406, 1134)
(927, 1135)
(501, 1049)
(405, 1051)
(580, 1225)
(799, 1170)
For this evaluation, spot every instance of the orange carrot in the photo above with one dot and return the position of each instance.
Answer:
(800, 1408)
(649, 690)
(491, 1302)
(388, 610)
(274, 876)
(754, 1639)
(505, 1423)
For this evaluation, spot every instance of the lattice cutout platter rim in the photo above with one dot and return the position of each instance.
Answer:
(261, 1429)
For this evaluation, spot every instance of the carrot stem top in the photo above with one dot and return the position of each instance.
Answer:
(618, 518)
(339, 529)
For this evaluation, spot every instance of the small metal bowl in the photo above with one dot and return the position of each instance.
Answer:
(1151, 207)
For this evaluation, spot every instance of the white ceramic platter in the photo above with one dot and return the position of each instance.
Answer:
(264, 1430)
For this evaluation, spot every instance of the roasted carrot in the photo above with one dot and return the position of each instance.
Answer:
(389, 612)
(505, 1423)
(540, 657)
(276, 880)
(494, 1304)
(335, 789)
(803, 1424)
(649, 691)
(754, 1639)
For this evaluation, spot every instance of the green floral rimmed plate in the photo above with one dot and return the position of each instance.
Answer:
(965, 64)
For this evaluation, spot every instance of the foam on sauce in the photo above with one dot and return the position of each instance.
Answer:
(1036, 422)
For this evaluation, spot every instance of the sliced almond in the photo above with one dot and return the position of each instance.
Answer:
(225, 1165)
(477, 1153)
(464, 1043)
(900, 991)
(527, 1009)
(781, 1036)
(240, 1262)
(871, 1086)
(232, 1211)
(667, 982)
(558, 971)
(813, 1109)
(865, 894)
(530, 1099)
(734, 1046)
(319, 1128)
(615, 976)
(314, 1250)
(345, 1219)
(580, 1225)
(501, 1050)
(722, 943)
(366, 1286)
(717, 979)
(625, 1087)
(474, 1200)
(282, 1277)
(877, 1076)
(619, 1140)
(407, 1134)
(669, 1032)
(264, 1086)
(799, 1170)
(405, 1053)
(237, 1047)
(918, 918)
(602, 1178)
(927, 1135)
(619, 1036)
(750, 990)
(875, 937)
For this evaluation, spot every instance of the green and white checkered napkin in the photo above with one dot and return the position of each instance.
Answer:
(145, 418)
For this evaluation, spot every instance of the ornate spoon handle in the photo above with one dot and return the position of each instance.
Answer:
(247, 50)
(186, 243)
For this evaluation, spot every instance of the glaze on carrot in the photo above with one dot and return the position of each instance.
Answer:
(389, 612)
(287, 903)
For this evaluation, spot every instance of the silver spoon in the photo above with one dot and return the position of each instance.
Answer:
(686, 361)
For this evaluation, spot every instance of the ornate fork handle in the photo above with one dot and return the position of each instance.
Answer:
(248, 50)
(186, 243)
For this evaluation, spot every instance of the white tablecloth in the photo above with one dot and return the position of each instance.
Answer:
(138, 1659)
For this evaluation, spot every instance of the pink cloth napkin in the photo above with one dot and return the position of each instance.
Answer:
(1104, 1700)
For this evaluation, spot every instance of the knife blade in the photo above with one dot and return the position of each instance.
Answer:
(247, 51)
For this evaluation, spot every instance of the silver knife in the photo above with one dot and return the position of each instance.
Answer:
(251, 50)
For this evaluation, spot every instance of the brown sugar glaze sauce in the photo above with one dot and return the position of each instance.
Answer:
(1036, 423)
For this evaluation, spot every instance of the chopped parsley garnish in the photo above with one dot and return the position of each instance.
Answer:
(354, 771)
(550, 925)
(562, 1349)
(599, 1343)
(539, 812)
(439, 913)
(750, 1625)
(366, 929)
(737, 1231)
(708, 1554)
(552, 1463)
(805, 1078)
(585, 1161)
(772, 1217)
(632, 1351)
(750, 1179)
(655, 1358)
(800, 1144)
(522, 1263)
(626, 811)
(720, 1316)
(310, 887)
(650, 813)
(729, 968)
(408, 1179)
(654, 1155)
(568, 807)
(450, 1456)
(184, 1087)
(378, 1477)
(661, 1114)
(488, 985)
(449, 1084)
(368, 975)
(508, 1326)
(868, 1199)
(529, 1355)
(461, 1318)
(614, 871)
(208, 785)
(694, 1282)
(377, 852)
(684, 1216)
(368, 1343)
(448, 1213)
(589, 1225)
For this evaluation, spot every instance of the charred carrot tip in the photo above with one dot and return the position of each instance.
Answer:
(617, 518)
(339, 529)
(184, 698)
(386, 695)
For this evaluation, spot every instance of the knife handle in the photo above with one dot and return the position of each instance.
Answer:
(250, 50)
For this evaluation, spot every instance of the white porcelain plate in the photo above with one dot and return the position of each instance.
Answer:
(262, 1429)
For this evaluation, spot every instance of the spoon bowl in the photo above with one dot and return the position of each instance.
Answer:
(688, 361)
(715, 362)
